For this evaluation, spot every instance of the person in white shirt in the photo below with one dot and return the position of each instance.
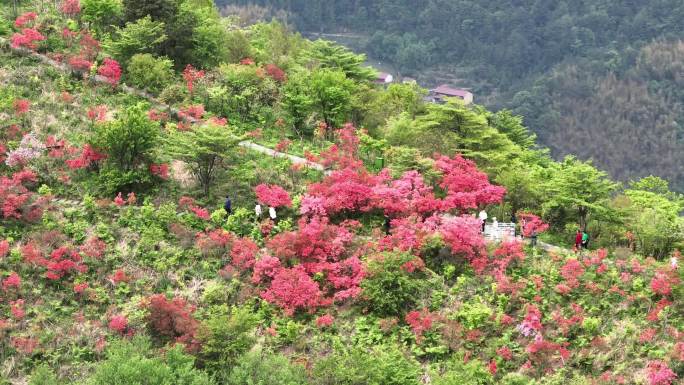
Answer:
(483, 219)
(257, 210)
(272, 213)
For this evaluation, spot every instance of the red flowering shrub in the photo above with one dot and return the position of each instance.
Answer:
(325, 321)
(21, 106)
(466, 186)
(275, 73)
(93, 247)
(201, 213)
(160, 170)
(80, 63)
(462, 235)
(571, 271)
(265, 267)
(191, 75)
(111, 71)
(118, 200)
(16, 201)
(243, 252)
(12, 281)
(24, 345)
(292, 289)
(532, 223)
(662, 283)
(247, 61)
(272, 195)
(191, 113)
(17, 309)
(24, 19)
(63, 261)
(214, 243)
(658, 373)
(173, 319)
(420, 322)
(27, 38)
(98, 113)
(119, 276)
(87, 158)
(70, 7)
(505, 353)
(119, 323)
(4, 248)
(80, 288)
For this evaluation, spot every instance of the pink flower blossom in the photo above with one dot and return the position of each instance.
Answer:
(324, 321)
(12, 281)
(272, 195)
(118, 323)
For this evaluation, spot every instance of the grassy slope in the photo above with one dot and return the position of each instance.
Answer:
(157, 261)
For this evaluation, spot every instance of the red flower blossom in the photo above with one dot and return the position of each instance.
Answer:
(160, 170)
(70, 7)
(79, 288)
(119, 201)
(658, 373)
(17, 309)
(324, 321)
(4, 248)
(191, 75)
(12, 281)
(24, 19)
(247, 61)
(119, 276)
(111, 71)
(21, 106)
(292, 289)
(505, 353)
(272, 195)
(119, 323)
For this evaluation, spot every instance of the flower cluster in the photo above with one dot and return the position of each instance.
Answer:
(272, 195)
(111, 71)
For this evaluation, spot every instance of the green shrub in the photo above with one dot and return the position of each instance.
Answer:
(173, 94)
(5, 27)
(474, 372)
(389, 289)
(150, 73)
(266, 369)
(474, 314)
(43, 375)
(516, 379)
(383, 365)
(134, 362)
(225, 336)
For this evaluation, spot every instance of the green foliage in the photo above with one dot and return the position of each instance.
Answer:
(473, 315)
(327, 54)
(101, 14)
(43, 375)
(257, 368)
(157, 10)
(332, 92)
(225, 335)
(241, 222)
(577, 186)
(205, 149)
(149, 73)
(297, 102)
(653, 216)
(381, 365)
(389, 289)
(133, 362)
(455, 371)
(240, 91)
(129, 140)
(137, 37)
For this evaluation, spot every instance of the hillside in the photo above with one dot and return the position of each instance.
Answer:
(598, 79)
(350, 252)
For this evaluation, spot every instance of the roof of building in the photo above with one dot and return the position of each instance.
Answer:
(450, 91)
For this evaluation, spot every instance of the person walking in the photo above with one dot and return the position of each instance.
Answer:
(483, 219)
(578, 240)
(533, 238)
(272, 213)
(257, 210)
(585, 240)
(228, 205)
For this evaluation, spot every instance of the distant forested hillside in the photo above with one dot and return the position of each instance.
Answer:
(598, 78)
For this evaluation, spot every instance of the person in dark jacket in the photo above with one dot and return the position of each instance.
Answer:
(228, 205)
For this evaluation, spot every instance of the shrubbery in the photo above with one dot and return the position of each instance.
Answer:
(149, 73)
(389, 288)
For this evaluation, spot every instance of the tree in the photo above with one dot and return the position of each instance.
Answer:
(158, 10)
(327, 54)
(298, 103)
(332, 93)
(128, 141)
(150, 73)
(141, 36)
(652, 216)
(578, 186)
(101, 15)
(205, 149)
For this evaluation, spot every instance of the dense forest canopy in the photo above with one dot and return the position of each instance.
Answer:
(551, 61)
